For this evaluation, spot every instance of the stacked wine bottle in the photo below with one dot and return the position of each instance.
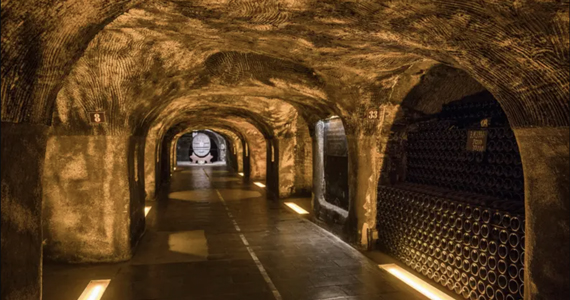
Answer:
(437, 155)
(458, 218)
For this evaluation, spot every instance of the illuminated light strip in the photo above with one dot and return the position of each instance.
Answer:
(146, 210)
(416, 283)
(296, 208)
(95, 289)
(259, 184)
(258, 263)
(240, 174)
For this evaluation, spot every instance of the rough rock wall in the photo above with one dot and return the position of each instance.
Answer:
(41, 40)
(93, 198)
(545, 154)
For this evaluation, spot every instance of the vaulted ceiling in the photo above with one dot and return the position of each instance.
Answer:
(156, 61)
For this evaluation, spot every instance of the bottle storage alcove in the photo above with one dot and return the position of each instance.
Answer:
(457, 217)
(336, 163)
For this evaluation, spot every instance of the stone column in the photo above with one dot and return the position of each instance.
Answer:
(150, 167)
(545, 157)
(272, 167)
(239, 155)
(23, 152)
(172, 150)
(93, 197)
(285, 155)
(318, 168)
(367, 139)
(257, 156)
(303, 155)
(363, 172)
(246, 160)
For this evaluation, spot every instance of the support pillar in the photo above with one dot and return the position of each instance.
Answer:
(545, 158)
(285, 154)
(273, 172)
(246, 160)
(256, 150)
(367, 146)
(150, 167)
(22, 159)
(363, 173)
(93, 197)
(303, 155)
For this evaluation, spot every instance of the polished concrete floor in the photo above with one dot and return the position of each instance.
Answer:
(213, 236)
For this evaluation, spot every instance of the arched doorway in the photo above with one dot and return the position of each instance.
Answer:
(451, 199)
(201, 147)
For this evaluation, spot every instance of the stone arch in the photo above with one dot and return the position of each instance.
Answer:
(438, 85)
(253, 142)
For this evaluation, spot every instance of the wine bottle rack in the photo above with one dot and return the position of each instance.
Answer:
(457, 217)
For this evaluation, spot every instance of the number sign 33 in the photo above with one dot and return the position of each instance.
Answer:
(97, 117)
(372, 114)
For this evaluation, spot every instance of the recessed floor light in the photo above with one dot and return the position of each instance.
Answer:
(95, 289)
(416, 283)
(296, 208)
(146, 210)
(240, 174)
(259, 184)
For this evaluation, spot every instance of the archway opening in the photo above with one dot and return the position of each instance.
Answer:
(451, 197)
(331, 203)
(201, 147)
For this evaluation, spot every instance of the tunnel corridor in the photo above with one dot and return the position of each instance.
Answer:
(214, 236)
(285, 149)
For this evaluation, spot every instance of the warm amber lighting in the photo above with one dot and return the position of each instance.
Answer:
(296, 208)
(416, 283)
(174, 168)
(240, 174)
(95, 289)
(259, 184)
(146, 210)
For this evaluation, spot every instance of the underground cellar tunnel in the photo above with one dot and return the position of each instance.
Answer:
(281, 149)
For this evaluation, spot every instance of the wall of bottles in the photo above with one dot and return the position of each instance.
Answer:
(458, 216)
